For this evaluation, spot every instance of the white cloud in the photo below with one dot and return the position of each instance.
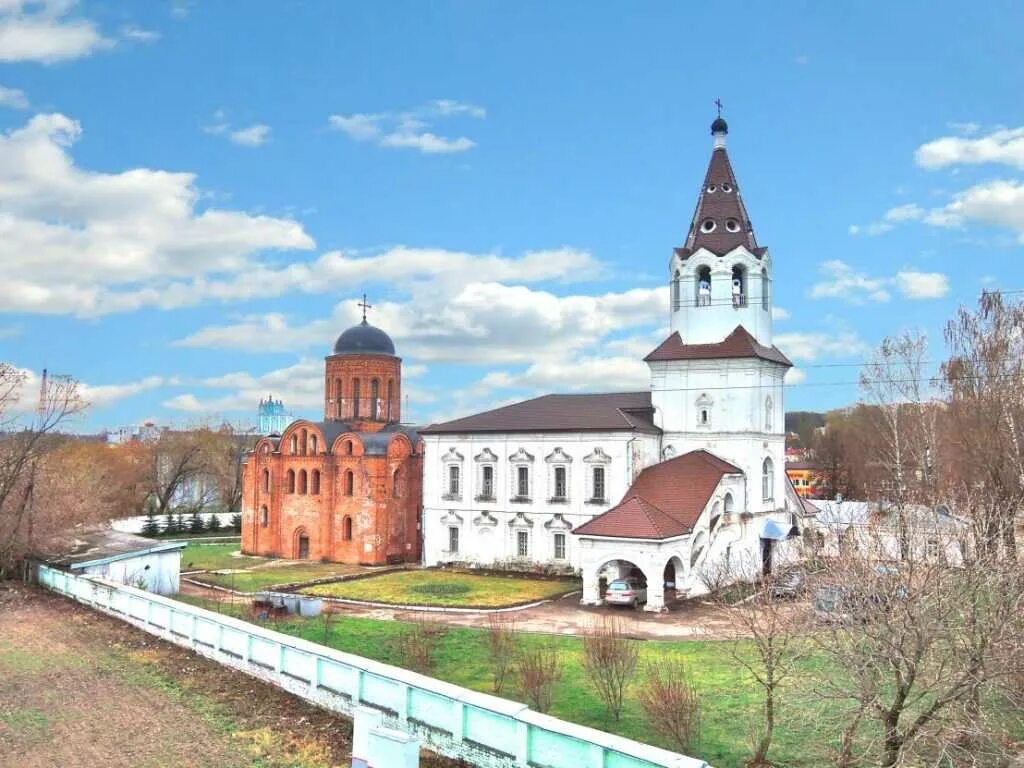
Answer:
(74, 241)
(999, 202)
(253, 136)
(795, 376)
(901, 213)
(13, 98)
(1004, 146)
(473, 323)
(778, 313)
(842, 282)
(44, 31)
(100, 395)
(409, 130)
(814, 345)
(138, 34)
(922, 285)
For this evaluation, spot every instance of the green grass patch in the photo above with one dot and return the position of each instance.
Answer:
(27, 723)
(446, 588)
(215, 557)
(256, 579)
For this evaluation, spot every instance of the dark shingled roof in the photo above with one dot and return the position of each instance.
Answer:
(561, 413)
(738, 344)
(364, 339)
(664, 500)
(720, 202)
(374, 443)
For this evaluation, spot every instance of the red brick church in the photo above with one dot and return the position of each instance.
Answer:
(345, 489)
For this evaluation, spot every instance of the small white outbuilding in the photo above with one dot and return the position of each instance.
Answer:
(125, 558)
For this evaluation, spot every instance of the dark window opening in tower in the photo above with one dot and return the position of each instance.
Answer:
(676, 291)
(355, 398)
(303, 443)
(739, 286)
(375, 399)
(303, 488)
(708, 225)
(347, 529)
(391, 396)
(396, 484)
(337, 398)
(290, 482)
(703, 284)
(314, 444)
(350, 483)
(266, 481)
(732, 225)
(766, 288)
(315, 482)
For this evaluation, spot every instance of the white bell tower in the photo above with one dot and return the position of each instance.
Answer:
(717, 380)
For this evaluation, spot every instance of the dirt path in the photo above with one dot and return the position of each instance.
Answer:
(686, 620)
(81, 689)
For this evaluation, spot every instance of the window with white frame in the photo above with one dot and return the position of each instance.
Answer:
(704, 403)
(767, 480)
(487, 481)
(597, 484)
(522, 543)
(453, 539)
(559, 546)
(560, 488)
(453, 479)
(523, 482)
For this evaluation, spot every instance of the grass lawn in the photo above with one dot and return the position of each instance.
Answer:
(256, 579)
(446, 588)
(730, 698)
(215, 556)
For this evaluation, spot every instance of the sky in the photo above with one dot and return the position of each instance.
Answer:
(195, 194)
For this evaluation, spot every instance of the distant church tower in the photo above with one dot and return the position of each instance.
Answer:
(716, 381)
(272, 418)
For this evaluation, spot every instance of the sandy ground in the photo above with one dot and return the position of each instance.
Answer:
(78, 688)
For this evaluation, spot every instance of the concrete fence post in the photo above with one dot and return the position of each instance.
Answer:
(392, 749)
(522, 744)
(364, 719)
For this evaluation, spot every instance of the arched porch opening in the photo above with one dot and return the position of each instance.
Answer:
(619, 582)
(672, 577)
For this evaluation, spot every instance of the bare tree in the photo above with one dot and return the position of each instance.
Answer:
(181, 472)
(539, 668)
(417, 645)
(502, 642)
(767, 640)
(610, 659)
(27, 437)
(671, 703)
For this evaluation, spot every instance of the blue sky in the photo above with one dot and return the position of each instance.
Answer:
(194, 194)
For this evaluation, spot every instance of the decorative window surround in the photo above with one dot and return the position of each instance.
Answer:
(597, 456)
(558, 523)
(558, 460)
(486, 462)
(520, 521)
(704, 409)
(521, 460)
(485, 520)
(451, 517)
(452, 459)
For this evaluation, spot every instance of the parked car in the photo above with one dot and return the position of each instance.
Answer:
(791, 583)
(843, 604)
(626, 592)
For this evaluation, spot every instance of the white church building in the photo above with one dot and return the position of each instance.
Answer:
(671, 483)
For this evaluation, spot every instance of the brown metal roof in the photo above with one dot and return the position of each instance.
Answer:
(664, 500)
(561, 413)
(720, 203)
(738, 344)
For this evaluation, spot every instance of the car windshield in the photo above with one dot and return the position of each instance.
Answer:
(618, 586)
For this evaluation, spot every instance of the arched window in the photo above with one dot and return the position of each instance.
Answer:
(266, 481)
(739, 286)
(676, 299)
(337, 396)
(314, 445)
(391, 396)
(355, 398)
(314, 482)
(560, 489)
(294, 446)
(716, 516)
(264, 516)
(346, 529)
(766, 289)
(303, 487)
(767, 480)
(728, 504)
(396, 484)
(375, 399)
(348, 447)
(290, 481)
(768, 409)
(703, 287)
(350, 483)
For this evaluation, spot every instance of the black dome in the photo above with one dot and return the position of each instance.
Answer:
(719, 126)
(364, 339)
